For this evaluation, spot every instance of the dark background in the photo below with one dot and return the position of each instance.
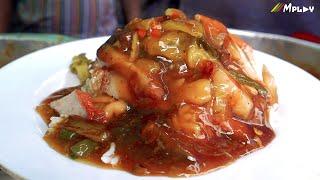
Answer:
(251, 15)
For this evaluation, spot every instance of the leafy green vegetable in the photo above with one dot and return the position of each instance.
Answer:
(243, 79)
(83, 148)
(80, 66)
(67, 135)
(91, 130)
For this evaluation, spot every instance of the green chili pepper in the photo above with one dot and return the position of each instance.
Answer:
(83, 148)
(67, 135)
(243, 79)
(90, 130)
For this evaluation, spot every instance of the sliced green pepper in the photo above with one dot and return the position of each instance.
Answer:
(243, 79)
(83, 148)
(67, 135)
(93, 131)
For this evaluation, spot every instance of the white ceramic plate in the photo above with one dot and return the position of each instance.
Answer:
(293, 154)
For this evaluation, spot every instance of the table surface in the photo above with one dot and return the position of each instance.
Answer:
(301, 53)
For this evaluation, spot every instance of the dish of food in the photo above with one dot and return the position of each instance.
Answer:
(165, 96)
(105, 139)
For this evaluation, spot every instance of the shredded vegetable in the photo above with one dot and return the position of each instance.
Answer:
(243, 79)
(83, 148)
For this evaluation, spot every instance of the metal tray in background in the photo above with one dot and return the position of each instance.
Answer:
(15, 45)
(299, 52)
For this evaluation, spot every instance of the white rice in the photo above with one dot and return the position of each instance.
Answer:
(54, 121)
(109, 157)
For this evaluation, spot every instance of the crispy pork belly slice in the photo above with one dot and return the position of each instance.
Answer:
(69, 105)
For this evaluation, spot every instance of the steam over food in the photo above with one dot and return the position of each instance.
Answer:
(166, 96)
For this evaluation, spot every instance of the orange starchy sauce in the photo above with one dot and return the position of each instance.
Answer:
(182, 155)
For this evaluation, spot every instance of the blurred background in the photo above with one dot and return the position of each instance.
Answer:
(89, 18)
(28, 25)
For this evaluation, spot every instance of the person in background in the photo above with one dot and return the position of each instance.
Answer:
(256, 16)
(78, 18)
(152, 8)
(251, 15)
